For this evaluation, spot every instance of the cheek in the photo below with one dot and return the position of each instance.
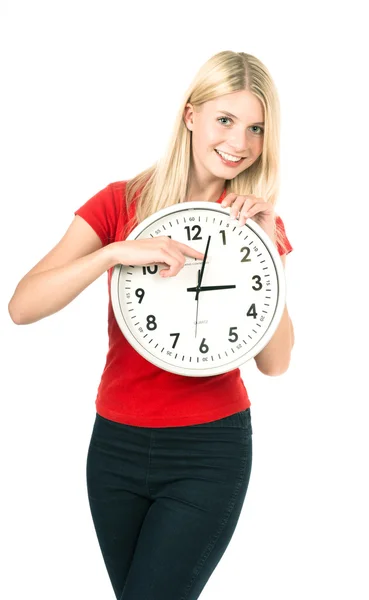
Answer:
(213, 136)
(205, 140)
(259, 144)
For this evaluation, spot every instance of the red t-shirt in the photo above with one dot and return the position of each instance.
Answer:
(134, 391)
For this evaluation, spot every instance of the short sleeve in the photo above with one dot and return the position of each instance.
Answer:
(281, 228)
(101, 212)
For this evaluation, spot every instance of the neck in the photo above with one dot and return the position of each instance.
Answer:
(209, 193)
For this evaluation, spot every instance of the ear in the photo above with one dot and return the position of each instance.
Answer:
(187, 116)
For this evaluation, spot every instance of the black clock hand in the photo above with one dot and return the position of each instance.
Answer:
(202, 268)
(197, 305)
(210, 287)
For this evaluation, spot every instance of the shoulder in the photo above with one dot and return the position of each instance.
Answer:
(118, 186)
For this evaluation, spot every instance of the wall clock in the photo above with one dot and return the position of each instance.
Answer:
(212, 316)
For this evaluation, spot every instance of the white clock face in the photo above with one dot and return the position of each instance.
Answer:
(238, 307)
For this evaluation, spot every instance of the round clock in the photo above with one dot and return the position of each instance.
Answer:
(215, 314)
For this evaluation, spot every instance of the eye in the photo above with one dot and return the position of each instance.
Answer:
(261, 129)
(227, 119)
(254, 126)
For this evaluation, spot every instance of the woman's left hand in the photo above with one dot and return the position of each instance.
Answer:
(251, 206)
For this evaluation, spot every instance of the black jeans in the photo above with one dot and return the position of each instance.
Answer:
(165, 502)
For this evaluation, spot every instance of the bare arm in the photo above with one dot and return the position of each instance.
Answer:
(44, 293)
(275, 357)
(71, 265)
(77, 260)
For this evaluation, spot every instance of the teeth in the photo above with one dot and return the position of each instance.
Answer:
(228, 156)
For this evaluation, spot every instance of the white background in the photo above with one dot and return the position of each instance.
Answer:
(89, 95)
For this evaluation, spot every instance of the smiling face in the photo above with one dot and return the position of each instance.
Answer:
(212, 128)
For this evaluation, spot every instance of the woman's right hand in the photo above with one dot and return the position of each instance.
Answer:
(157, 250)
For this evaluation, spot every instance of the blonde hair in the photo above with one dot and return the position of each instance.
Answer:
(166, 182)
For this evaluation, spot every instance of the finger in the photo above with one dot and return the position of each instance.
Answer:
(174, 260)
(174, 252)
(250, 212)
(244, 215)
(228, 199)
(239, 205)
(177, 260)
(188, 251)
(172, 255)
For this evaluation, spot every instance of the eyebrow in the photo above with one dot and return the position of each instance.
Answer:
(234, 116)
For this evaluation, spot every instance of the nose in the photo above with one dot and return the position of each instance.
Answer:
(240, 144)
(239, 147)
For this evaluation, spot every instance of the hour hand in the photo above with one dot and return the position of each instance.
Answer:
(210, 287)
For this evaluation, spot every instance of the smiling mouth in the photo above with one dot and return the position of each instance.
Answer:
(239, 158)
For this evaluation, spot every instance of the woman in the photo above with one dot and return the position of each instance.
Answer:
(170, 457)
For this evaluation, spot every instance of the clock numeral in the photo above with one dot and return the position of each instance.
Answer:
(258, 279)
(176, 340)
(197, 235)
(222, 231)
(140, 294)
(233, 333)
(245, 259)
(252, 311)
(203, 347)
(151, 323)
(152, 269)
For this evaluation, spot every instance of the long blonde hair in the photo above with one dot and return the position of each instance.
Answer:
(166, 182)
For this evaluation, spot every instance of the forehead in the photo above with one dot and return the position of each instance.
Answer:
(243, 105)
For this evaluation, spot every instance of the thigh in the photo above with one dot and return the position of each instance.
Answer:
(116, 472)
(198, 480)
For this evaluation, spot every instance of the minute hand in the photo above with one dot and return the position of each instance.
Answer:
(210, 287)
(199, 281)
